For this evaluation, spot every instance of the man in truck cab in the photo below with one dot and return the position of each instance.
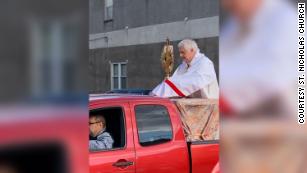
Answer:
(195, 77)
(99, 138)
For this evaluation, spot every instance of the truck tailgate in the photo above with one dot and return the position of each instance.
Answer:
(204, 156)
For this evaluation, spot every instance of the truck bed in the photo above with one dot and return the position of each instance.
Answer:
(200, 121)
(200, 118)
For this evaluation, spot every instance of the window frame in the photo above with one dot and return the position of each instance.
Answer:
(170, 120)
(119, 76)
(125, 128)
(108, 18)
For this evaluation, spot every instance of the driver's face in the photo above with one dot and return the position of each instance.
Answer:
(95, 126)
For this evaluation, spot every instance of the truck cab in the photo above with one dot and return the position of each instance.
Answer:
(148, 137)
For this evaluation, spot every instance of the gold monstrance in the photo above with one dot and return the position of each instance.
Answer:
(167, 58)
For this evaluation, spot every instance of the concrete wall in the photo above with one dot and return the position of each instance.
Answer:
(178, 30)
(136, 13)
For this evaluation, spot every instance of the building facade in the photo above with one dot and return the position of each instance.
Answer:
(126, 38)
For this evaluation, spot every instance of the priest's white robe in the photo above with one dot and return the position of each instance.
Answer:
(197, 80)
(262, 64)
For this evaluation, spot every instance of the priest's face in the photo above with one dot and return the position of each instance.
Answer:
(186, 54)
(242, 9)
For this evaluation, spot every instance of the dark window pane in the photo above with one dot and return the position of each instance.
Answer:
(153, 124)
(115, 122)
(46, 74)
(124, 70)
(109, 12)
(124, 83)
(108, 3)
(108, 9)
(115, 83)
(115, 70)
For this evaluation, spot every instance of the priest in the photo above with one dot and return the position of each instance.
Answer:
(195, 77)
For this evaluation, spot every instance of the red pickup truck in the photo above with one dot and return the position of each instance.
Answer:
(148, 137)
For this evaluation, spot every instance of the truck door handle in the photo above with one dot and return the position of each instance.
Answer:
(122, 163)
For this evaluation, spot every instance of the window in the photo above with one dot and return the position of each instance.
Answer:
(115, 126)
(153, 123)
(119, 75)
(108, 10)
(52, 70)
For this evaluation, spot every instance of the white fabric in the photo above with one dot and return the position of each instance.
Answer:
(197, 80)
(262, 62)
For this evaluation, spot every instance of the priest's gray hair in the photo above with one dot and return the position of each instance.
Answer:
(188, 44)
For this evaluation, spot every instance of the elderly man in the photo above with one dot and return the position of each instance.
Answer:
(102, 139)
(195, 76)
(259, 71)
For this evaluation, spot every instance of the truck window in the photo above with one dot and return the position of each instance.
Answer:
(153, 124)
(115, 138)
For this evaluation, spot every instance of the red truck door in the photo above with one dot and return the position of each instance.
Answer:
(205, 155)
(121, 158)
(159, 140)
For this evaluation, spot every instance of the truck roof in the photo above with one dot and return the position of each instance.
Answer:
(122, 97)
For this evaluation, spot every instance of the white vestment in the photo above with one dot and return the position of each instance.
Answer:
(262, 63)
(196, 80)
